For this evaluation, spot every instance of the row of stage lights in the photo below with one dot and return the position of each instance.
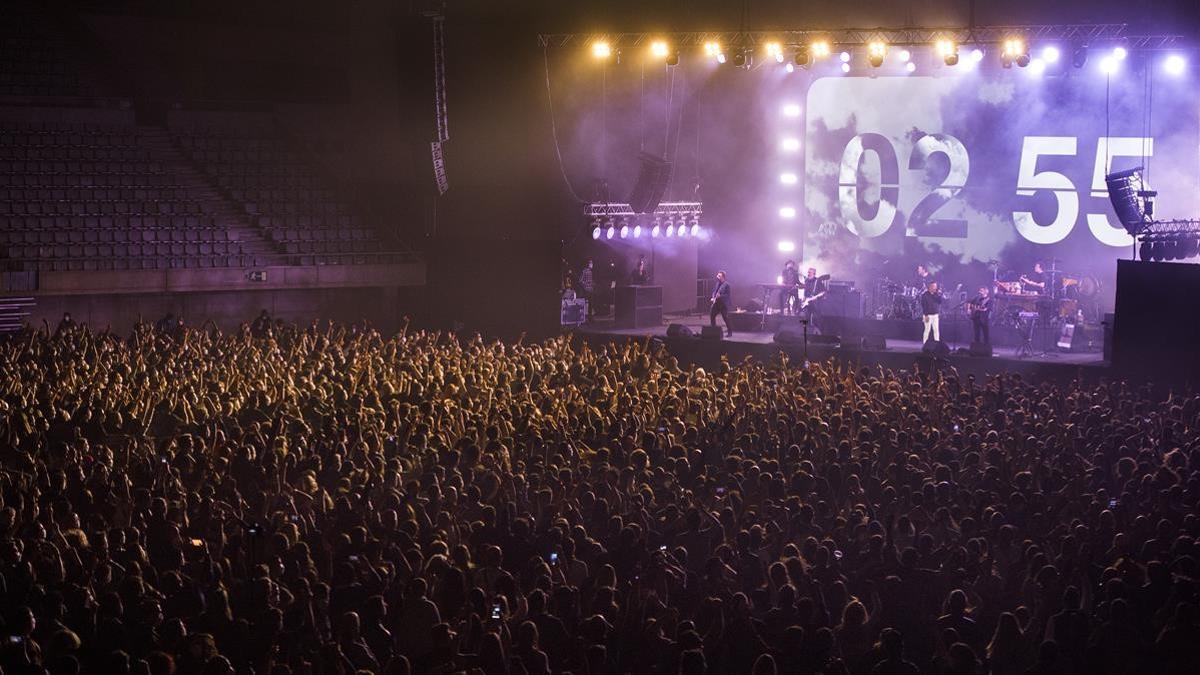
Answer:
(684, 229)
(1013, 51)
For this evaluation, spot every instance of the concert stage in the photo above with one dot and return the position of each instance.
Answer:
(899, 353)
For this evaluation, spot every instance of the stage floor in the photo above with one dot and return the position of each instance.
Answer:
(898, 352)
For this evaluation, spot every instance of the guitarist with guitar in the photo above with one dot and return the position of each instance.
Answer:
(980, 309)
(814, 289)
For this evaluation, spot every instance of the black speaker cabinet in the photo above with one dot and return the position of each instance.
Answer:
(712, 332)
(637, 307)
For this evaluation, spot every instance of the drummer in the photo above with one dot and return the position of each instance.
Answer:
(1035, 281)
(922, 278)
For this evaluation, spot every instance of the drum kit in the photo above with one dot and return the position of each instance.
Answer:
(1065, 297)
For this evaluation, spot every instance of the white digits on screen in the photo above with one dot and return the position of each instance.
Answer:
(1030, 180)
(889, 189)
(921, 222)
(1107, 148)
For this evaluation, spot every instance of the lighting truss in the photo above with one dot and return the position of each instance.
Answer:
(665, 210)
(1171, 228)
(1094, 35)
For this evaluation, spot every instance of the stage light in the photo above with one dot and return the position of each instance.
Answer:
(787, 212)
(875, 53)
(595, 233)
(802, 57)
(1175, 64)
(1014, 52)
(910, 67)
(637, 231)
(624, 231)
(741, 59)
(976, 55)
(1079, 56)
(695, 229)
(790, 68)
(788, 178)
(791, 110)
(660, 49)
(905, 56)
(791, 144)
(786, 246)
(601, 49)
(845, 67)
(655, 231)
(1119, 53)
(712, 49)
(1050, 54)
(845, 57)
(948, 51)
(1037, 66)
(1108, 65)
(775, 51)
(612, 231)
(682, 231)
(670, 229)
(819, 49)
(673, 58)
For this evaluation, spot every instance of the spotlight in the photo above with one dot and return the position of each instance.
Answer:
(695, 229)
(1037, 66)
(637, 231)
(682, 231)
(659, 49)
(802, 57)
(673, 58)
(791, 144)
(910, 67)
(1175, 64)
(742, 59)
(601, 49)
(775, 51)
(1079, 56)
(875, 53)
(948, 51)
(786, 246)
(1108, 65)
(624, 231)
(1014, 51)
(712, 49)
(670, 229)
(595, 233)
(655, 231)
(721, 58)
(788, 178)
(845, 57)
(612, 231)
(1119, 53)
(905, 56)
(791, 68)
(845, 67)
(819, 49)
(1051, 54)
(791, 110)
(787, 212)
(976, 55)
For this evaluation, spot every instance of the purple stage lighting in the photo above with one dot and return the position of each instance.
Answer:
(624, 231)
(595, 233)
(1175, 64)
(612, 231)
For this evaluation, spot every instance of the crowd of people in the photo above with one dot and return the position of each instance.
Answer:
(330, 500)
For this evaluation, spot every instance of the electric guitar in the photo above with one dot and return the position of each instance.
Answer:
(807, 301)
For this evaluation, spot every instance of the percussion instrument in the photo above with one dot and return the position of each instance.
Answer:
(1067, 308)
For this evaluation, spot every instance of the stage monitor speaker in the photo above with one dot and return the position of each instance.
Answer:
(652, 180)
(824, 339)
(936, 348)
(980, 349)
(678, 330)
(789, 337)
(712, 332)
(876, 343)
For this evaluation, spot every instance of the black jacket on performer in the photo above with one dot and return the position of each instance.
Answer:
(931, 303)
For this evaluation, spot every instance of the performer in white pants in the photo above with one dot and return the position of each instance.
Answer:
(931, 303)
